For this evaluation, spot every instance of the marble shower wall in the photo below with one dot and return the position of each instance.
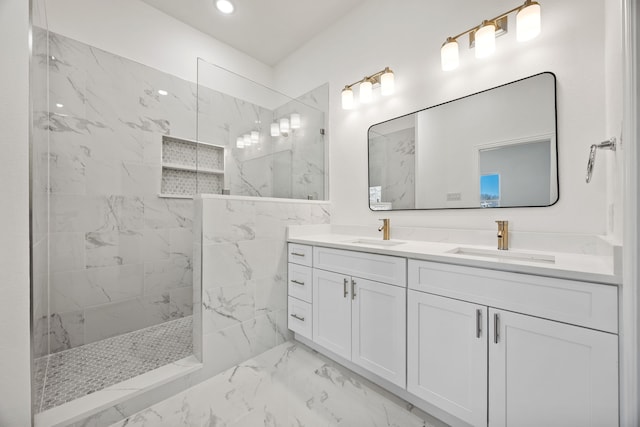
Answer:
(307, 144)
(244, 274)
(392, 167)
(290, 166)
(120, 256)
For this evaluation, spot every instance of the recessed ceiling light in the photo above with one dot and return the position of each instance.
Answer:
(163, 92)
(225, 6)
(59, 105)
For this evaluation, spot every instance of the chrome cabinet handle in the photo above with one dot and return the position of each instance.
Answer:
(478, 323)
(297, 282)
(353, 289)
(300, 318)
(496, 328)
(344, 287)
(297, 254)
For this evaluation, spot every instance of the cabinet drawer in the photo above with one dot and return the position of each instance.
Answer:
(300, 254)
(300, 280)
(381, 268)
(580, 303)
(299, 320)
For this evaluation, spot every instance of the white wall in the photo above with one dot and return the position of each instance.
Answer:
(15, 398)
(408, 38)
(137, 31)
(613, 102)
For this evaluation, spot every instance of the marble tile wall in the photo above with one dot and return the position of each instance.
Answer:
(307, 144)
(259, 170)
(121, 257)
(244, 270)
(392, 160)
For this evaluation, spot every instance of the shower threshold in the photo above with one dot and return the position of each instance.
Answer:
(76, 373)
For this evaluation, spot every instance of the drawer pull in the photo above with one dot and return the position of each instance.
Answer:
(297, 282)
(496, 328)
(353, 289)
(344, 287)
(298, 254)
(478, 323)
(300, 318)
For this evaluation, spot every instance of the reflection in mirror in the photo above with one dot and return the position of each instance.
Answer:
(495, 148)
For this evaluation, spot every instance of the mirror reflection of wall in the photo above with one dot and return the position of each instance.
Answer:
(516, 174)
(392, 165)
(508, 131)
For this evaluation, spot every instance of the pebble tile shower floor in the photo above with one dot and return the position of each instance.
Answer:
(68, 375)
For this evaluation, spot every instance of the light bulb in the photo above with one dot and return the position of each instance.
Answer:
(347, 98)
(295, 121)
(528, 21)
(449, 55)
(225, 6)
(284, 126)
(239, 142)
(485, 39)
(366, 92)
(275, 129)
(255, 137)
(247, 140)
(162, 92)
(387, 82)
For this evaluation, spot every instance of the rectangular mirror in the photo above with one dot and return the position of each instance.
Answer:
(496, 148)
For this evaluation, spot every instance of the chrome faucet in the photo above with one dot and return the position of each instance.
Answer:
(503, 235)
(385, 228)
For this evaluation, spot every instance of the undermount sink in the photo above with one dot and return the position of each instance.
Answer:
(376, 242)
(506, 255)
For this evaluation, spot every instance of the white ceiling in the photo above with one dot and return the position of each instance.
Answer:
(267, 30)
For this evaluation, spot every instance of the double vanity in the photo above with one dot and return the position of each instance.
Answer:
(472, 335)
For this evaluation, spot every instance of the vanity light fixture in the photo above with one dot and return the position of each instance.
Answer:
(384, 78)
(483, 37)
(295, 121)
(275, 129)
(255, 137)
(284, 125)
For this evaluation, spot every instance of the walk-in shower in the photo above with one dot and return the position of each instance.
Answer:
(118, 151)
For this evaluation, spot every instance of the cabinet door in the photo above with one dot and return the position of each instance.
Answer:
(545, 373)
(379, 329)
(447, 355)
(332, 312)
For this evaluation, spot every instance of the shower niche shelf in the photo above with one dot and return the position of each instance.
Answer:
(191, 167)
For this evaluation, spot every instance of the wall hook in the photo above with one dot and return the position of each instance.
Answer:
(610, 144)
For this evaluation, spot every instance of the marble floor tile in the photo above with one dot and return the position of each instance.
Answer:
(289, 386)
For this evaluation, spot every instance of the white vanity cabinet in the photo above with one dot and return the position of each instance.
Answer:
(447, 355)
(464, 338)
(546, 373)
(356, 315)
(300, 280)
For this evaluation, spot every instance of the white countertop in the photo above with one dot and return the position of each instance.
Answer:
(589, 268)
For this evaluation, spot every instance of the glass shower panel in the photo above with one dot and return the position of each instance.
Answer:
(112, 280)
(39, 141)
(273, 145)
